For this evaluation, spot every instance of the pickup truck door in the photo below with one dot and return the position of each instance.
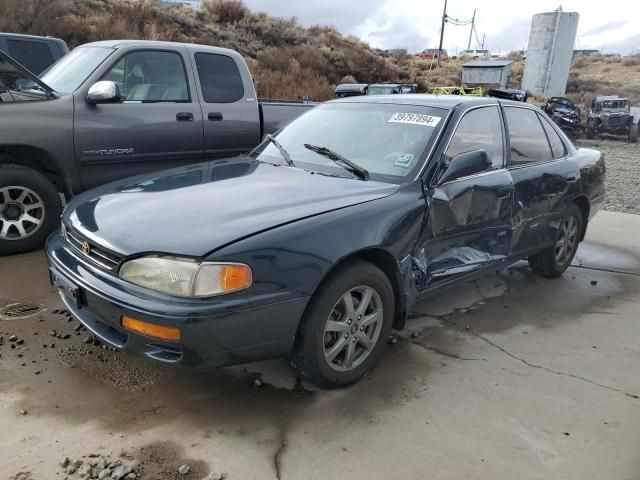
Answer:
(232, 121)
(158, 124)
(469, 218)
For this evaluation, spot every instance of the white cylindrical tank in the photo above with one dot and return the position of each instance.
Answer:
(550, 51)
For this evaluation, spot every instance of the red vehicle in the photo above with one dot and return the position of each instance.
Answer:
(432, 54)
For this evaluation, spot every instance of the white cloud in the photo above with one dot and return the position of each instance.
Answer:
(613, 25)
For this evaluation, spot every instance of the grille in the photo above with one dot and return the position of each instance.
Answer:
(97, 255)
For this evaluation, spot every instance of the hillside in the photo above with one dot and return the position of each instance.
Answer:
(287, 59)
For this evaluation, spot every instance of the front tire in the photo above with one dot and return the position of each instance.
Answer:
(30, 209)
(553, 261)
(345, 326)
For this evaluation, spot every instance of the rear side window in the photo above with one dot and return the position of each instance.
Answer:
(480, 129)
(557, 146)
(36, 56)
(220, 78)
(529, 143)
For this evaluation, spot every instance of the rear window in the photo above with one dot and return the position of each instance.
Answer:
(220, 78)
(36, 56)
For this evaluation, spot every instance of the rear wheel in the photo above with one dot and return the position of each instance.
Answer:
(554, 260)
(590, 133)
(346, 325)
(633, 133)
(29, 209)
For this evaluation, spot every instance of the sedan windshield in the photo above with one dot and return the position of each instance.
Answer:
(389, 141)
(68, 73)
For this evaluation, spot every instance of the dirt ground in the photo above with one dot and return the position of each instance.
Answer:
(512, 376)
(623, 172)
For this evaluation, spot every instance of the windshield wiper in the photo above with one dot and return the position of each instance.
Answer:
(281, 149)
(345, 163)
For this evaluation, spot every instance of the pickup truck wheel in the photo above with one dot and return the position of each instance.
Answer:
(590, 133)
(553, 261)
(633, 133)
(345, 327)
(29, 209)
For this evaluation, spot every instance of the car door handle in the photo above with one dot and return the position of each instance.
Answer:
(184, 117)
(215, 116)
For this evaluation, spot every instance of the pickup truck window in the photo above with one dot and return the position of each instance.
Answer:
(479, 129)
(529, 143)
(150, 76)
(220, 78)
(36, 56)
(389, 141)
(71, 71)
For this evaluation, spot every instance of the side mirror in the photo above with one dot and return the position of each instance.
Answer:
(104, 92)
(465, 164)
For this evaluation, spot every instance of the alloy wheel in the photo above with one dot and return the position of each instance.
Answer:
(567, 240)
(21, 212)
(353, 328)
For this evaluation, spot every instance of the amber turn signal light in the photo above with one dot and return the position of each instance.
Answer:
(234, 277)
(161, 332)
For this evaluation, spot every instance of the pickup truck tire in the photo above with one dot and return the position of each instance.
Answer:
(30, 209)
(345, 327)
(633, 133)
(554, 260)
(590, 133)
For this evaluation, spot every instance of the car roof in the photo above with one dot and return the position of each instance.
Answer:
(31, 37)
(604, 98)
(427, 100)
(157, 43)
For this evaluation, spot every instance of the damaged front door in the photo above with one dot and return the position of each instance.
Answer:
(469, 217)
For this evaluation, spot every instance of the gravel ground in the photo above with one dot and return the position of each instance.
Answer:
(623, 172)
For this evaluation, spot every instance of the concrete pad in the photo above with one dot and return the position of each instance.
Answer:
(512, 376)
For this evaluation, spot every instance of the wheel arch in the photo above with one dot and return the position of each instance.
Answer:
(39, 160)
(386, 262)
(583, 204)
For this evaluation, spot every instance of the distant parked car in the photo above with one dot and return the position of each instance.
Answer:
(432, 53)
(566, 114)
(350, 90)
(35, 53)
(391, 88)
(612, 115)
(475, 53)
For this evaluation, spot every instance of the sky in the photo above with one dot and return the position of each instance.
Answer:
(611, 26)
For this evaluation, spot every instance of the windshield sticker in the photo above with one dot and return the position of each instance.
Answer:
(415, 119)
(404, 160)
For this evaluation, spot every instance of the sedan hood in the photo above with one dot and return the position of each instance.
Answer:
(200, 208)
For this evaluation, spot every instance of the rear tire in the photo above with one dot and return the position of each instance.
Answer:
(590, 133)
(633, 133)
(553, 261)
(337, 345)
(30, 209)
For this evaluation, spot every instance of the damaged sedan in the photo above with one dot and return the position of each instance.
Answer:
(317, 243)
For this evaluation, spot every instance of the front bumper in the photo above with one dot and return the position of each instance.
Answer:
(214, 332)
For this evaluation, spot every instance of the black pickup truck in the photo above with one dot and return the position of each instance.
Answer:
(113, 109)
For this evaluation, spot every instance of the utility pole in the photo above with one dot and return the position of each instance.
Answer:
(473, 24)
(444, 19)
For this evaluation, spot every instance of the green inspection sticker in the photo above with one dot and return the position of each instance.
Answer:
(404, 160)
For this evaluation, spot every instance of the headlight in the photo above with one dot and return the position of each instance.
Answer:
(186, 278)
